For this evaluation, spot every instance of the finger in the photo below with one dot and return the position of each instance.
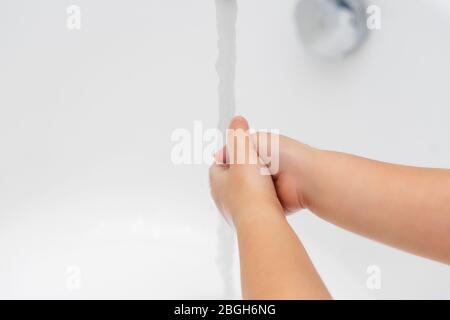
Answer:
(239, 148)
(217, 174)
(267, 146)
(237, 123)
(220, 156)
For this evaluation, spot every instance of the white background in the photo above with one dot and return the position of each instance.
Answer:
(86, 181)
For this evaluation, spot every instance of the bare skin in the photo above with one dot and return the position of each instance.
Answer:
(274, 264)
(405, 207)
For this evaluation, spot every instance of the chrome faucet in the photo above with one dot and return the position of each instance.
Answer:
(332, 28)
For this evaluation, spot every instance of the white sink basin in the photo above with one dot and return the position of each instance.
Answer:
(91, 205)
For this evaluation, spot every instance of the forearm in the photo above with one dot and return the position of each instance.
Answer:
(274, 264)
(406, 207)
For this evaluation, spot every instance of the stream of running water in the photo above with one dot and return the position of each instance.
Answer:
(226, 12)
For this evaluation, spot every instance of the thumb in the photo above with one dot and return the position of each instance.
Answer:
(240, 149)
(239, 122)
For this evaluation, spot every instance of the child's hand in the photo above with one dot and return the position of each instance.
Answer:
(237, 184)
(293, 159)
(407, 207)
(273, 262)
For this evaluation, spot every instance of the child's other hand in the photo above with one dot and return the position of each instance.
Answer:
(293, 159)
(238, 187)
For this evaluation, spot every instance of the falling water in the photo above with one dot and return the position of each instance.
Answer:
(226, 12)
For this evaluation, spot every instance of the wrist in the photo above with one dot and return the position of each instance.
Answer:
(308, 157)
(257, 212)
